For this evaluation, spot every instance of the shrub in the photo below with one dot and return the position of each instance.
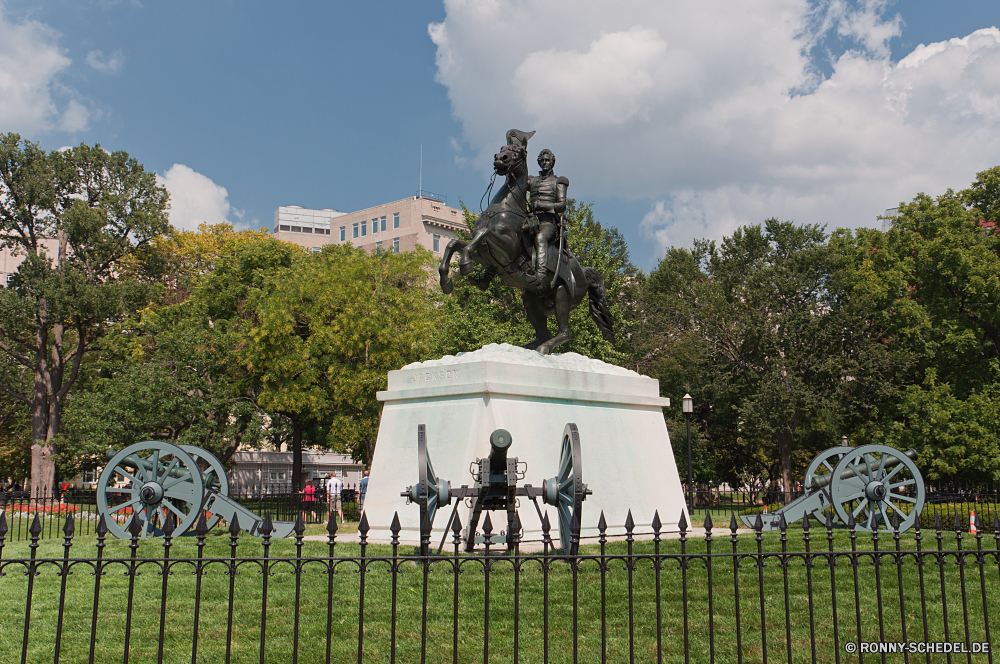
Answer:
(351, 512)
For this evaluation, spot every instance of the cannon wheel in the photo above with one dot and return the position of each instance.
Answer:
(214, 476)
(159, 479)
(876, 492)
(428, 498)
(566, 491)
(822, 466)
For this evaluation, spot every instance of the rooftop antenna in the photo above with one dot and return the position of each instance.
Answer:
(420, 189)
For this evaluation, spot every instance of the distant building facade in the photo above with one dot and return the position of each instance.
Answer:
(401, 225)
(272, 471)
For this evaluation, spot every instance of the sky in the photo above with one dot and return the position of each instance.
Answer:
(676, 120)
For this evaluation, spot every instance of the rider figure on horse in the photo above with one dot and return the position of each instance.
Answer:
(547, 203)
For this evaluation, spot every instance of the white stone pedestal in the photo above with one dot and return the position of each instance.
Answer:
(625, 450)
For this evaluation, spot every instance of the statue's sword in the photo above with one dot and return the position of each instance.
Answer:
(559, 248)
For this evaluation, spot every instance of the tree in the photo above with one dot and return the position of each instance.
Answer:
(324, 335)
(755, 330)
(171, 370)
(474, 318)
(931, 287)
(73, 215)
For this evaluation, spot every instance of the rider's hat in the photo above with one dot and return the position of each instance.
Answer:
(518, 137)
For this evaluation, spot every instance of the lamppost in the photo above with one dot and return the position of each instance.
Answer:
(687, 405)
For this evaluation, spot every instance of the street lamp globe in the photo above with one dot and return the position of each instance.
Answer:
(687, 404)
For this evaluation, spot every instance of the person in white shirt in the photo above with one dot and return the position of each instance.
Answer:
(334, 486)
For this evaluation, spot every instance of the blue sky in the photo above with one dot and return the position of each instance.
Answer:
(676, 122)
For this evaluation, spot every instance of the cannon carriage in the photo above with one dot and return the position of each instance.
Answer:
(870, 485)
(154, 480)
(495, 488)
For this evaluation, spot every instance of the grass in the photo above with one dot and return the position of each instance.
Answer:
(757, 587)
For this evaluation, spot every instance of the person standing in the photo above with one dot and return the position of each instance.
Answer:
(334, 487)
(309, 500)
(364, 488)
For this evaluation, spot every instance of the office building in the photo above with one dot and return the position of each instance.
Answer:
(398, 226)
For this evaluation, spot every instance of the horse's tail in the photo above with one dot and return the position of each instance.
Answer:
(598, 305)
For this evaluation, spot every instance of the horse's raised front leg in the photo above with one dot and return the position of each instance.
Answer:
(536, 316)
(562, 319)
(444, 270)
(466, 264)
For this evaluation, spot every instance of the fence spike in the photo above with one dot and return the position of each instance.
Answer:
(234, 526)
(758, 523)
(996, 522)
(487, 526)
(708, 523)
(546, 526)
(829, 522)
(895, 522)
(456, 525)
(363, 527)
(851, 525)
(782, 523)
(134, 528)
(629, 523)
(70, 526)
(805, 522)
(395, 527)
(201, 528)
(331, 524)
(602, 524)
(267, 527)
(300, 527)
(515, 534)
(732, 522)
(102, 526)
(3, 524)
(656, 522)
(169, 526)
(682, 523)
(937, 521)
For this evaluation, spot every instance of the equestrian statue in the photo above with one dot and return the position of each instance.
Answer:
(521, 238)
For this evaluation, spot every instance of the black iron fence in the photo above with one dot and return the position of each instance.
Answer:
(719, 595)
(53, 508)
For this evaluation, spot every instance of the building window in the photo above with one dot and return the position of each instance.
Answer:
(383, 224)
(395, 220)
(296, 229)
(284, 227)
(364, 228)
(278, 476)
(343, 233)
(307, 229)
(355, 230)
(437, 243)
(378, 246)
(316, 250)
(395, 244)
(374, 226)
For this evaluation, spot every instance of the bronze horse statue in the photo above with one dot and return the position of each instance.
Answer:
(501, 248)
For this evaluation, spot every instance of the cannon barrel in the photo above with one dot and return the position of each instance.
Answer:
(890, 462)
(500, 441)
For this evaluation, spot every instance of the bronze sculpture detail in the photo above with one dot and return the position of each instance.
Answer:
(502, 244)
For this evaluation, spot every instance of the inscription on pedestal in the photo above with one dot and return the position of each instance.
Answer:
(431, 376)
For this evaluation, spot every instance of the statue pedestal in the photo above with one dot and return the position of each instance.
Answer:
(625, 451)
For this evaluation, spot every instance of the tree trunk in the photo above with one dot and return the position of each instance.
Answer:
(785, 450)
(297, 483)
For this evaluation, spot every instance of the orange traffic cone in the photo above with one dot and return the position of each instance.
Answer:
(972, 522)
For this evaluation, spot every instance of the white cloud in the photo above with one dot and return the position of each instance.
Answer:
(111, 64)
(716, 111)
(195, 199)
(30, 62)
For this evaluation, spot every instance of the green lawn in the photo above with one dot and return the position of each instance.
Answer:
(874, 611)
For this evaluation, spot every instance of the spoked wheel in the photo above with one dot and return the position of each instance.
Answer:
(824, 463)
(146, 482)
(214, 476)
(821, 468)
(876, 483)
(566, 491)
(430, 492)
